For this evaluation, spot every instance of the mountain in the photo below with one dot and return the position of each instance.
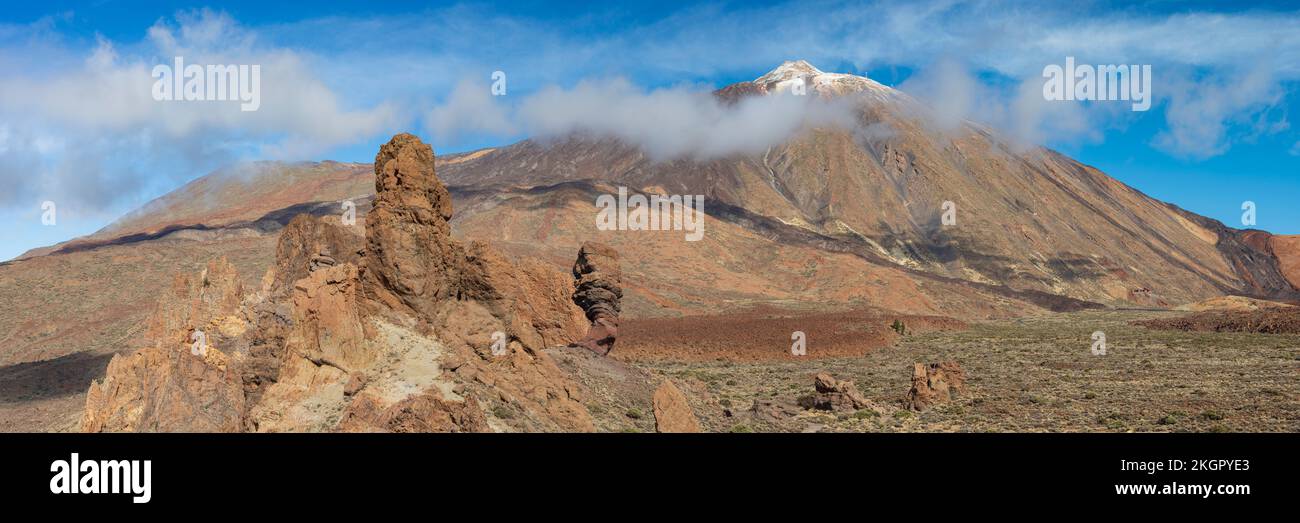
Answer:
(833, 219)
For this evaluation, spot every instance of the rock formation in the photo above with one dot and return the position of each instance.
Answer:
(835, 394)
(672, 412)
(411, 259)
(209, 302)
(160, 389)
(181, 381)
(934, 384)
(309, 243)
(599, 290)
(405, 329)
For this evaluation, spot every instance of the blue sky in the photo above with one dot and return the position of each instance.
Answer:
(77, 126)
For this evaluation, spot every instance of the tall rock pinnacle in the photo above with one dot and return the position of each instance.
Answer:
(410, 250)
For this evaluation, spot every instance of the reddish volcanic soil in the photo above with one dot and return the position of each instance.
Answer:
(766, 334)
(1266, 321)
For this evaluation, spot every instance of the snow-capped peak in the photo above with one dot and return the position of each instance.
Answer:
(790, 72)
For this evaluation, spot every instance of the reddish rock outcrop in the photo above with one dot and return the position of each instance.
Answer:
(835, 394)
(427, 412)
(599, 291)
(209, 302)
(1287, 251)
(181, 381)
(306, 245)
(411, 258)
(672, 412)
(530, 296)
(934, 384)
(309, 243)
(161, 389)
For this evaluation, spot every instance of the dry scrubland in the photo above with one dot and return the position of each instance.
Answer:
(1023, 375)
(1030, 375)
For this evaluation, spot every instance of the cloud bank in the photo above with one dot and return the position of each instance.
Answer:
(665, 123)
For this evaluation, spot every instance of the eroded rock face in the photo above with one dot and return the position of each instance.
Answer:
(598, 292)
(326, 345)
(935, 383)
(306, 245)
(1287, 251)
(209, 302)
(411, 258)
(529, 296)
(309, 243)
(161, 389)
(672, 412)
(180, 382)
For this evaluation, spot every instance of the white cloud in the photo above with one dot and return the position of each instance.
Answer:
(1201, 112)
(954, 95)
(114, 139)
(676, 122)
(469, 110)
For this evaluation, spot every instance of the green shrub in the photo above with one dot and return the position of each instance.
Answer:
(899, 327)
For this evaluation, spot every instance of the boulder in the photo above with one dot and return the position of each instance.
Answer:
(672, 412)
(834, 394)
(934, 384)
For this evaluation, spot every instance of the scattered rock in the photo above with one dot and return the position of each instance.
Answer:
(427, 412)
(934, 384)
(672, 412)
(1267, 320)
(320, 260)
